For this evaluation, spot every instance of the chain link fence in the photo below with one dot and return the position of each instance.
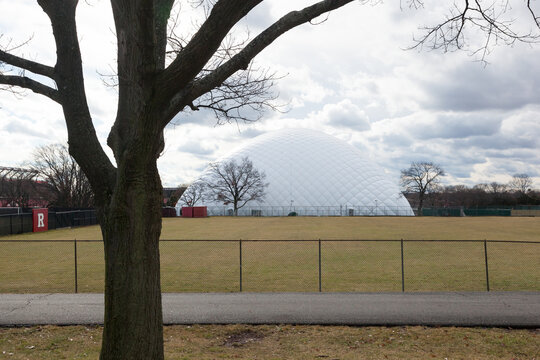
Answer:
(298, 210)
(45, 266)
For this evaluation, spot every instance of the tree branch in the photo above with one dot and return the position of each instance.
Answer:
(533, 14)
(241, 60)
(35, 86)
(200, 49)
(492, 19)
(25, 64)
(84, 145)
(245, 96)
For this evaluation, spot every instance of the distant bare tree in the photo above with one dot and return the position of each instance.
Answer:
(237, 184)
(496, 188)
(67, 184)
(421, 178)
(193, 194)
(521, 183)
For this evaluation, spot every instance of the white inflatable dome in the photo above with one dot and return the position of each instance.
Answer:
(311, 173)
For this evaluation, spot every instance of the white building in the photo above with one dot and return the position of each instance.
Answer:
(311, 173)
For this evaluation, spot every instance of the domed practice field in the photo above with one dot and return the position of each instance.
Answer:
(311, 173)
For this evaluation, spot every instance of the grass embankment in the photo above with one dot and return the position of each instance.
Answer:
(293, 266)
(285, 342)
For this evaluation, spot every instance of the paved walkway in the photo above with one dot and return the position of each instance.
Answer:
(503, 309)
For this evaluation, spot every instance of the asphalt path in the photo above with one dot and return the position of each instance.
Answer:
(500, 309)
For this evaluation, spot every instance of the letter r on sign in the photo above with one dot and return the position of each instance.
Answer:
(40, 220)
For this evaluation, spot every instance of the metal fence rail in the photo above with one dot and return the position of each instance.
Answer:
(284, 265)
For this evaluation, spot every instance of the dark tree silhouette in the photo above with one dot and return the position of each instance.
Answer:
(193, 194)
(467, 19)
(67, 185)
(421, 178)
(522, 185)
(236, 184)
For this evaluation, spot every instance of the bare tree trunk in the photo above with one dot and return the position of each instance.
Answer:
(131, 230)
(420, 203)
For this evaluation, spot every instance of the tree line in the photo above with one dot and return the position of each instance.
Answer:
(421, 183)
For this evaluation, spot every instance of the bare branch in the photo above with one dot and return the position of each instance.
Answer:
(25, 64)
(531, 11)
(193, 194)
(245, 96)
(35, 86)
(200, 49)
(241, 60)
(84, 145)
(492, 19)
(67, 186)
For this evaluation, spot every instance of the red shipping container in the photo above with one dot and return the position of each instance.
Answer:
(187, 211)
(199, 211)
(40, 220)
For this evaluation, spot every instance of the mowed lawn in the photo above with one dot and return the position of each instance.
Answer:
(291, 265)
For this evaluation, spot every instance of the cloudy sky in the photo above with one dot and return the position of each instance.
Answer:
(348, 76)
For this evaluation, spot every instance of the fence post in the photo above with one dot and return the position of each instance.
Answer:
(240, 247)
(320, 273)
(75, 253)
(402, 269)
(487, 268)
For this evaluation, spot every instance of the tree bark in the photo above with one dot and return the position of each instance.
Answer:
(420, 203)
(131, 227)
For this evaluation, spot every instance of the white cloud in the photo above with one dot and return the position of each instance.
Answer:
(344, 114)
(348, 76)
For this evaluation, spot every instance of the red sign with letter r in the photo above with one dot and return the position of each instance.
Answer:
(40, 220)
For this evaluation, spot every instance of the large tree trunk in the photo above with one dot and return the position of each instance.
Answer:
(131, 229)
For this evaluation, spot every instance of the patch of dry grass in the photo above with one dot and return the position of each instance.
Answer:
(298, 228)
(285, 342)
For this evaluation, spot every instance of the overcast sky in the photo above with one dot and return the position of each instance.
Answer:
(348, 76)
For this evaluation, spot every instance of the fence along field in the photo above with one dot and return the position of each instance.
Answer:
(294, 265)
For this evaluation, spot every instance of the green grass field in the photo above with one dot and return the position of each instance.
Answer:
(293, 265)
